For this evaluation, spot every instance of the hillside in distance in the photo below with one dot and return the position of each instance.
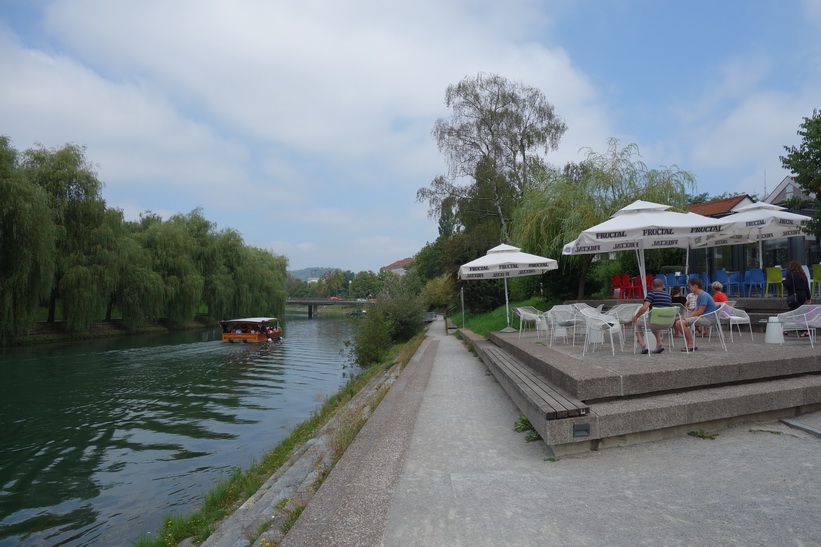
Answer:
(305, 273)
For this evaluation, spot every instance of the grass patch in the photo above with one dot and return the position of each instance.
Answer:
(701, 434)
(483, 323)
(523, 425)
(230, 493)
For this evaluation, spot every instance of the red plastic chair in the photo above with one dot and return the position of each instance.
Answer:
(616, 287)
(648, 282)
(628, 288)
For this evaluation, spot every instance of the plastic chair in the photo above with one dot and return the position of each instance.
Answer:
(816, 279)
(616, 287)
(774, 277)
(628, 286)
(670, 281)
(720, 276)
(734, 280)
(705, 279)
(734, 316)
(603, 323)
(659, 319)
(648, 282)
(754, 277)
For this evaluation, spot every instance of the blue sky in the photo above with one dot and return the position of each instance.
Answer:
(306, 125)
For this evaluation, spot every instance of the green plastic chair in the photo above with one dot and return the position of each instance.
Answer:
(774, 278)
(816, 278)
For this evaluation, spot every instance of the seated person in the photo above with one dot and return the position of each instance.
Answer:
(659, 298)
(675, 296)
(704, 305)
(718, 296)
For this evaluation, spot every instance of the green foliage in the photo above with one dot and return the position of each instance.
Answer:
(371, 338)
(27, 245)
(495, 132)
(805, 161)
(439, 292)
(701, 434)
(522, 424)
(567, 201)
(60, 244)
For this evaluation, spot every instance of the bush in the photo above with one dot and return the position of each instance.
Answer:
(371, 339)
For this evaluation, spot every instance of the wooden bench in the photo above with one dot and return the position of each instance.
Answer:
(529, 390)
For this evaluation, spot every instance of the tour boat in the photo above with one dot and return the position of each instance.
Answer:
(251, 329)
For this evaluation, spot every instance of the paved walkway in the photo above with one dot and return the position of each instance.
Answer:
(440, 464)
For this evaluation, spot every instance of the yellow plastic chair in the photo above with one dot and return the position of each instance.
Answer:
(774, 278)
(816, 278)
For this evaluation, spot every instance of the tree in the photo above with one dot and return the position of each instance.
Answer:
(580, 196)
(493, 136)
(27, 239)
(805, 162)
(77, 210)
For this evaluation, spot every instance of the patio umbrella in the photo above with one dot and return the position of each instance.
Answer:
(757, 222)
(505, 261)
(646, 225)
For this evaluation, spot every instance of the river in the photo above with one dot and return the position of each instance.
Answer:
(102, 438)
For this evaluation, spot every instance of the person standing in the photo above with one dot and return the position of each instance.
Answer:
(704, 305)
(795, 281)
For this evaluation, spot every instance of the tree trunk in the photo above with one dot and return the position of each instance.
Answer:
(52, 306)
(588, 261)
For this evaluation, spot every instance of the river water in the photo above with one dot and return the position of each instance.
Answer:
(101, 439)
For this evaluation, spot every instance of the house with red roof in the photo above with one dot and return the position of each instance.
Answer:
(399, 267)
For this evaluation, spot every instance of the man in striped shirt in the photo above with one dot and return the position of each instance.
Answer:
(659, 298)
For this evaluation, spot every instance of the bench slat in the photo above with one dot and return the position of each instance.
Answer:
(554, 403)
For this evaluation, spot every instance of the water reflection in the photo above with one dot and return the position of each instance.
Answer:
(102, 438)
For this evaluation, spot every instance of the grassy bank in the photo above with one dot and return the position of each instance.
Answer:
(483, 323)
(229, 494)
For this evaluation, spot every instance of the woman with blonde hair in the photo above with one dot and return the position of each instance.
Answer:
(718, 296)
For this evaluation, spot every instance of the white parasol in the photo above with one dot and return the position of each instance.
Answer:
(646, 225)
(758, 222)
(505, 261)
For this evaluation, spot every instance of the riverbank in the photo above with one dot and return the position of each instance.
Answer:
(284, 479)
(43, 332)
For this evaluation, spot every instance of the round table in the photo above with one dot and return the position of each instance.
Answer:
(775, 332)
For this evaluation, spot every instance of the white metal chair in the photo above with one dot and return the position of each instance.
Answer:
(658, 319)
(734, 316)
(706, 321)
(624, 314)
(599, 322)
(527, 315)
(805, 318)
(563, 318)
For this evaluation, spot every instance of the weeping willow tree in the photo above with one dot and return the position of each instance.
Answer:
(77, 209)
(579, 196)
(27, 238)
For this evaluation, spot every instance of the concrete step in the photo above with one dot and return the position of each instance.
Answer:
(638, 419)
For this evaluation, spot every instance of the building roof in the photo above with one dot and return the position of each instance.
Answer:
(719, 207)
(399, 263)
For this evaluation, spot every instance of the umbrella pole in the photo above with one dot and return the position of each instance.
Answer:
(507, 307)
(642, 268)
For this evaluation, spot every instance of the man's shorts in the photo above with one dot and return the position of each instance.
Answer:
(702, 321)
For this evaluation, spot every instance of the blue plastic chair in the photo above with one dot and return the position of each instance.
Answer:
(735, 281)
(722, 277)
(706, 280)
(754, 277)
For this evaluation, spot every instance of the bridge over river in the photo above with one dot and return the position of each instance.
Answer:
(314, 303)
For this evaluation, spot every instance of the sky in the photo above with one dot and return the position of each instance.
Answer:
(306, 126)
